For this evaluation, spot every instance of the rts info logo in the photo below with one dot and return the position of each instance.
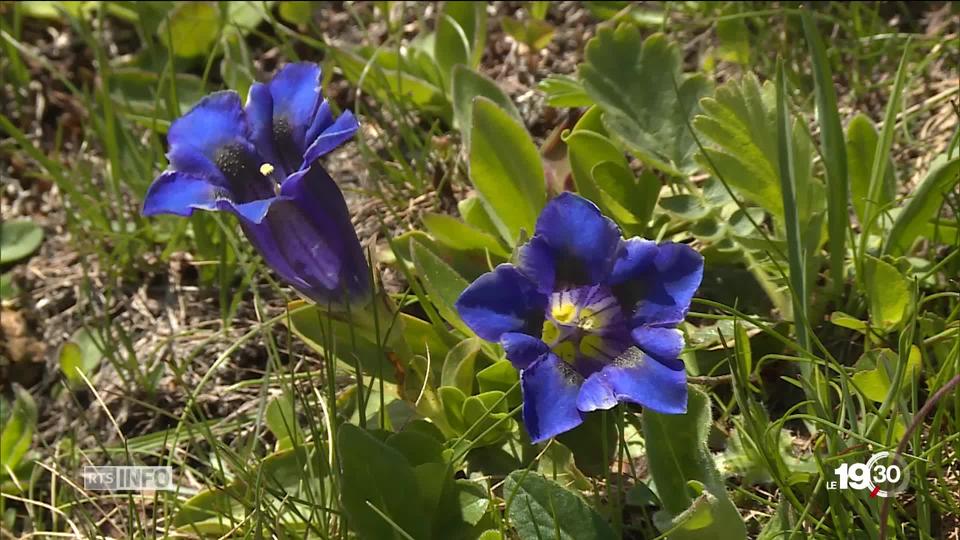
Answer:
(883, 475)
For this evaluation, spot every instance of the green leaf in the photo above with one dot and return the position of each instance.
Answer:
(18, 239)
(861, 144)
(442, 283)
(884, 144)
(17, 435)
(417, 447)
(298, 13)
(461, 236)
(458, 367)
(875, 383)
(474, 214)
(734, 38)
(474, 499)
(888, 293)
(541, 508)
(678, 455)
(833, 150)
(501, 376)
(191, 28)
(602, 174)
(645, 98)
(472, 19)
(844, 320)
(534, 33)
(484, 411)
(451, 46)
(923, 205)
(506, 169)
(452, 399)
(707, 517)
(564, 91)
(468, 85)
(244, 17)
(378, 481)
(685, 206)
(740, 125)
(789, 187)
(82, 354)
(8, 289)
(281, 420)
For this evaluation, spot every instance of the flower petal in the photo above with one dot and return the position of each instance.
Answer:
(637, 378)
(316, 237)
(658, 286)
(322, 120)
(253, 212)
(260, 115)
(522, 349)
(281, 112)
(195, 138)
(664, 344)
(536, 260)
(296, 93)
(333, 136)
(550, 389)
(502, 301)
(178, 193)
(583, 241)
(634, 258)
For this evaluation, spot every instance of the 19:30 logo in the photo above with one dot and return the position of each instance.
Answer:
(880, 475)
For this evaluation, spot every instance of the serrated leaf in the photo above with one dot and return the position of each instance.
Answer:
(564, 91)
(506, 169)
(541, 508)
(374, 474)
(644, 95)
(18, 239)
(739, 122)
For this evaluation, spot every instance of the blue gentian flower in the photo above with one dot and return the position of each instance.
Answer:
(589, 318)
(258, 163)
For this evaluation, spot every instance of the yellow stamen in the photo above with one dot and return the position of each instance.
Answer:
(266, 169)
(564, 313)
(591, 345)
(550, 334)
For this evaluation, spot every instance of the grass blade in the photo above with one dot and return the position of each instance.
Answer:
(791, 218)
(883, 150)
(833, 149)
